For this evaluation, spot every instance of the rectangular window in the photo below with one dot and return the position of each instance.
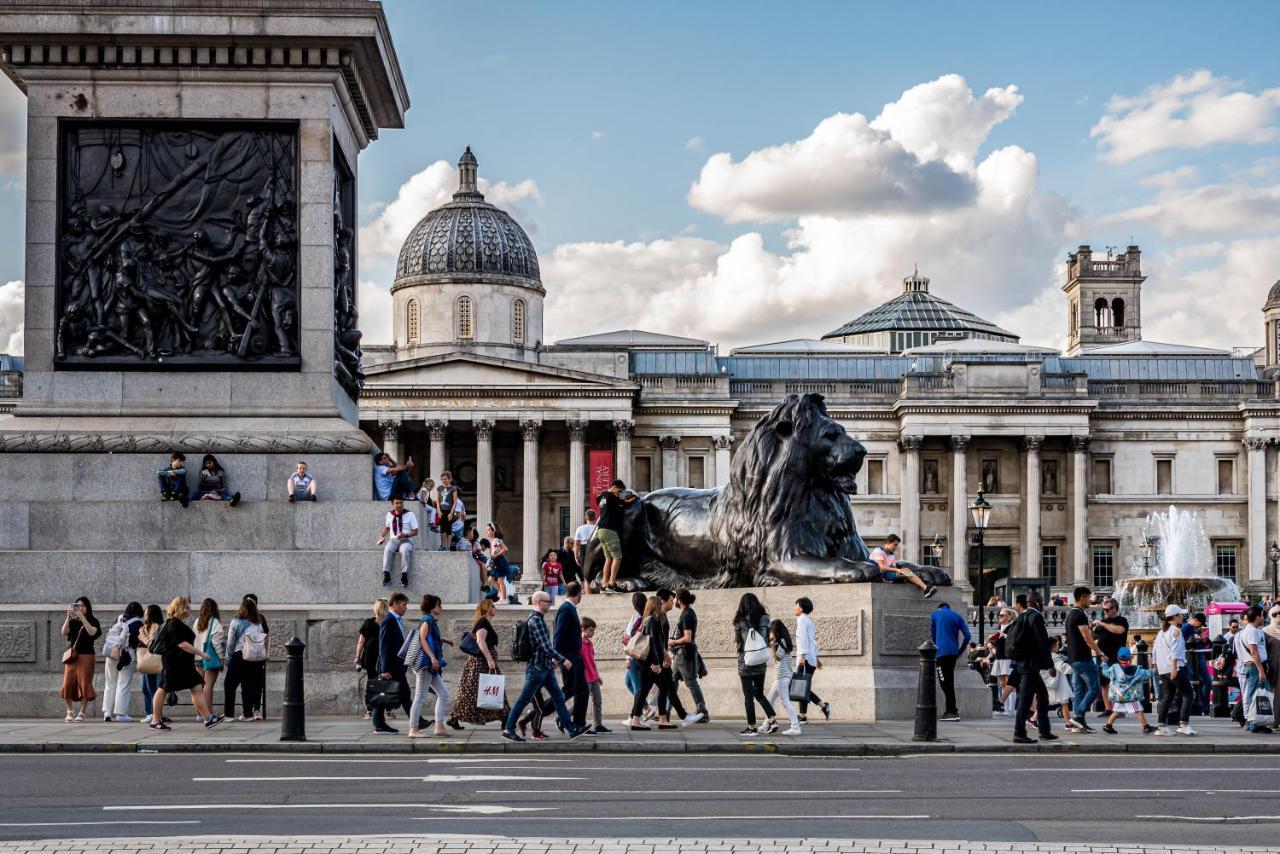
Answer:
(1049, 564)
(1224, 561)
(1164, 477)
(875, 477)
(643, 474)
(1103, 566)
(1226, 477)
(697, 473)
(1102, 476)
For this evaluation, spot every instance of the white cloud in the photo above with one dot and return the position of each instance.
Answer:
(13, 128)
(375, 312)
(941, 120)
(1171, 178)
(694, 144)
(1227, 209)
(597, 134)
(11, 318)
(1189, 111)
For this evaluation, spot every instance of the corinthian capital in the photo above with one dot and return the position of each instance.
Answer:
(436, 429)
(531, 428)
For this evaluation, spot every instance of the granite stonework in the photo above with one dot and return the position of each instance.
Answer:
(869, 634)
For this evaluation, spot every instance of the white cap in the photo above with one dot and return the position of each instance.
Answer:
(1174, 610)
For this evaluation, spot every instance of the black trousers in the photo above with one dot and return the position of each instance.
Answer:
(1031, 688)
(806, 667)
(1175, 699)
(251, 678)
(947, 679)
(668, 699)
(752, 693)
(576, 689)
(406, 701)
(647, 680)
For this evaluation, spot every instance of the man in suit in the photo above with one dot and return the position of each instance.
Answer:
(1030, 655)
(390, 664)
(566, 636)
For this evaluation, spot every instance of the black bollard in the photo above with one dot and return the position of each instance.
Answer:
(927, 695)
(1144, 661)
(293, 718)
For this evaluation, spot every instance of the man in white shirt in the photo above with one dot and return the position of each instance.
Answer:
(807, 660)
(1251, 655)
(402, 525)
(583, 535)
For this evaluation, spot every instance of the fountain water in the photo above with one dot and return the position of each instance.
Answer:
(1183, 572)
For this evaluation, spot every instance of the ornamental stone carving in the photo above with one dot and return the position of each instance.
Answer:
(911, 444)
(483, 428)
(722, 443)
(390, 428)
(959, 444)
(346, 317)
(577, 430)
(669, 443)
(530, 429)
(177, 245)
(17, 643)
(1255, 443)
(1031, 444)
(1080, 444)
(437, 429)
(624, 429)
(33, 442)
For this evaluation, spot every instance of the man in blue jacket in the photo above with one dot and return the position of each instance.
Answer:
(390, 664)
(950, 634)
(566, 637)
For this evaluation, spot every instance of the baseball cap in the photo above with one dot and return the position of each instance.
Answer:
(1124, 654)
(1174, 610)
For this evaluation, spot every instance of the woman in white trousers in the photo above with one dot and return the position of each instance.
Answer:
(121, 665)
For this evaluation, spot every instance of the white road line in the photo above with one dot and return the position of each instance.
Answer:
(835, 767)
(1179, 769)
(1216, 819)
(1202, 791)
(429, 778)
(487, 809)
(86, 823)
(500, 759)
(665, 818)
(683, 792)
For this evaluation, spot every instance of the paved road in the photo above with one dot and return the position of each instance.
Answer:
(1154, 800)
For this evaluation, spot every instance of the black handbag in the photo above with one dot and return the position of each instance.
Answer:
(801, 683)
(382, 694)
(702, 666)
(467, 644)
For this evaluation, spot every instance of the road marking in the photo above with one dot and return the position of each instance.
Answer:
(1217, 819)
(663, 818)
(1177, 791)
(500, 759)
(486, 809)
(429, 778)
(86, 823)
(1180, 769)
(836, 767)
(684, 792)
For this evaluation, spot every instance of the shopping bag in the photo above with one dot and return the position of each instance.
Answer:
(1262, 708)
(491, 693)
(800, 685)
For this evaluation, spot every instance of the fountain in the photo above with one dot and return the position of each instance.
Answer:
(1182, 572)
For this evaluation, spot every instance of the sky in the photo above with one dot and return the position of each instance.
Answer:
(748, 172)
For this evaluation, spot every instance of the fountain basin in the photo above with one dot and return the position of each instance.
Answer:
(1143, 600)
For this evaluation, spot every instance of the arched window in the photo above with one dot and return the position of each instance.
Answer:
(463, 321)
(1117, 313)
(412, 322)
(517, 322)
(1101, 314)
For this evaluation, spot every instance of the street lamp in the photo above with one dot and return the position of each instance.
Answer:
(1148, 546)
(935, 550)
(980, 510)
(1274, 554)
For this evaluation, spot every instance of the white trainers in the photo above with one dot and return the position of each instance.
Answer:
(1186, 729)
(692, 718)
(147, 719)
(794, 730)
(124, 719)
(1164, 730)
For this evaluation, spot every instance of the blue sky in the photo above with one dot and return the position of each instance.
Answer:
(610, 113)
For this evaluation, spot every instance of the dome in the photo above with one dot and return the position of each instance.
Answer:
(1273, 295)
(468, 240)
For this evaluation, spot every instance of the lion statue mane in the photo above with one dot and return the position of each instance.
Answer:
(784, 517)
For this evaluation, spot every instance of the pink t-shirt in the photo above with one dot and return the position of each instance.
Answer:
(589, 661)
(879, 554)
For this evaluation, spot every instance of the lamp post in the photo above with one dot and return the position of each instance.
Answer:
(980, 510)
(1274, 554)
(1148, 546)
(935, 550)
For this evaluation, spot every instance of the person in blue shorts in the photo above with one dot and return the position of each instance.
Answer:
(886, 556)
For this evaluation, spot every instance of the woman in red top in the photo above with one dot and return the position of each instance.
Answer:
(552, 574)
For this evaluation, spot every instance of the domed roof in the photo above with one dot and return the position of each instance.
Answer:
(1273, 295)
(468, 239)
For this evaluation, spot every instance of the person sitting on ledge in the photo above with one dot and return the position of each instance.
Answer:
(173, 480)
(211, 483)
(390, 480)
(301, 485)
(403, 527)
(887, 559)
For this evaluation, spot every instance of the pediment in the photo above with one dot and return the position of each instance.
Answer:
(466, 370)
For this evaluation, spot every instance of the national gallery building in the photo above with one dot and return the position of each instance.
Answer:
(1072, 449)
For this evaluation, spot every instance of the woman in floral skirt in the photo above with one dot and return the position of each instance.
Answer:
(465, 708)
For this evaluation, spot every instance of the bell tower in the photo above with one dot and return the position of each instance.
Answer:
(1104, 298)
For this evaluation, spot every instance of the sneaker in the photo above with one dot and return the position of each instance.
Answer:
(123, 719)
(929, 591)
(147, 719)
(257, 716)
(826, 711)
(235, 500)
(1163, 730)
(404, 579)
(183, 499)
(387, 730)
(1048, 736)
(106, 719)
(705, 720)
(769, 728)
(1260, 728)
(601, 730)
(290, 499)
(214, 721)
(693, 718)
(1079, 725)
(794, 729)
(159, 727)
(539, 735)
(577, 731)
(511, 736)
(748, 732)
(950, 717)
(1186, 729)
(1022, 739)
(1149, 730)
(1108, 729)
(386, 579)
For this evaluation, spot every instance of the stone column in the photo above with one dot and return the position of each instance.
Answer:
(724, 459)
(959, 511)
(1257, 449)
(909, 508)
(623, 430)
(1080, 509)
(532, 498)
(390, 437)
(670, 446)
(1031, 522)
(483, 512)
(577, 469)
(436, 431)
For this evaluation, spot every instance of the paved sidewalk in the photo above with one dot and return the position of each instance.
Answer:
(346, 735)
(508, 845)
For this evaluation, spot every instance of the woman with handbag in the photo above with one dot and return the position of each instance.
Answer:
(246, 672)
(175, 643)
(211, 640)
(80, 628)
(483, 658)
(648, 646)
(782, 647)
(150, 665)
(121, 654)
(367, 650)
(751, 633)
(428, 663)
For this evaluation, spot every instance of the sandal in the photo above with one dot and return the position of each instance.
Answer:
(80, 718)
(69, 718)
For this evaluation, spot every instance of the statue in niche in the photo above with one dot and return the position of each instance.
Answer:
(1049, 477)
(177, 244)
(929, 478)
(990, 476)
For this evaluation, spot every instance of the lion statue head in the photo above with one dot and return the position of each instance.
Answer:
(788, 493)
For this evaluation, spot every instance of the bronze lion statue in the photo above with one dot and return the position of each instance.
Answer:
(784, 517)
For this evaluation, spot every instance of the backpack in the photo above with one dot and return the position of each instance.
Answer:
(117, 638)
(522, 643)
(253, 644)
(755, 651)
(1017, 640)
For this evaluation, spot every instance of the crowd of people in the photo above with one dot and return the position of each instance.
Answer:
(170, 655)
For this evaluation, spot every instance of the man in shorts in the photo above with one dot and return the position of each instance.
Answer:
(608, 531)
(886, 556)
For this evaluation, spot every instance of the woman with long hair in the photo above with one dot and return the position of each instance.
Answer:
(465, 707)
(651, 666)
(499, 567)
(249, 676)
(367, 649)
(211, 483)
(782, 647)
(152, 620)
(684, 650)
(180, 655)
(429, 674)
(121, 653)
(750, 634)
(210, 639)
(80, 628)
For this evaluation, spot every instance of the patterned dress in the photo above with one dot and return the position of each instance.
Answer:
(464, 707)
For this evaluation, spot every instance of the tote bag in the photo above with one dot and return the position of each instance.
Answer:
(1261, 710)
(491, 693)
(800, 685)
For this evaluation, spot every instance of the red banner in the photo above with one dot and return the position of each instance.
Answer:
(599, 475)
